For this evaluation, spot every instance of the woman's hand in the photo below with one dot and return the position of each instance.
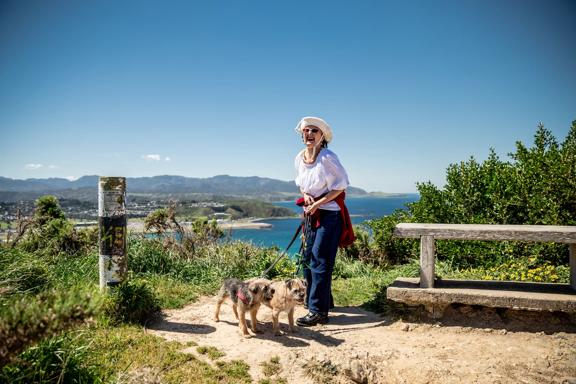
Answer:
(308, 199)
(311, 209)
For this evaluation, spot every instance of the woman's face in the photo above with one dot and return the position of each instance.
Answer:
(312, 136)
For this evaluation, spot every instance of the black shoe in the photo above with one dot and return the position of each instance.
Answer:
(312, 319)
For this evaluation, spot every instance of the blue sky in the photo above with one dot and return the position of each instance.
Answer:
(201, 88)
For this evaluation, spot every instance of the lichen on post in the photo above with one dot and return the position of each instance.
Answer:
(112, 230)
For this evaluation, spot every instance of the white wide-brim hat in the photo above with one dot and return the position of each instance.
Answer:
(317, 122)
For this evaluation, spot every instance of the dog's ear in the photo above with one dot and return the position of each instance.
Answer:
(254, 289)
(304, 282)
(288, 283)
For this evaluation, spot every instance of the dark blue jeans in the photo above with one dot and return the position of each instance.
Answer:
(319, 257)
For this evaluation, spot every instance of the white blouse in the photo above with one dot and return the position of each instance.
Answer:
(324, 175)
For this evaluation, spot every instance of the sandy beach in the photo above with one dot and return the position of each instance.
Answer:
(138, 225)
(244, 224)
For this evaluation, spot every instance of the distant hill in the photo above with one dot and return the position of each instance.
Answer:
(172, 186)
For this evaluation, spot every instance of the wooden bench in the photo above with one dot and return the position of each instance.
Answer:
(428, 233)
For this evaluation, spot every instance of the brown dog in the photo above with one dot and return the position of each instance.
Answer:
(245, 296)
(287, 294)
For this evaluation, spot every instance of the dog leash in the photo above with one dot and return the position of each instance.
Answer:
(265, 273)
(306, 231)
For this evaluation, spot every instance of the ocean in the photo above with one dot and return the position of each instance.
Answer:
(360, 208)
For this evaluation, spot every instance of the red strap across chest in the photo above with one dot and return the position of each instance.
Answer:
(241, 296)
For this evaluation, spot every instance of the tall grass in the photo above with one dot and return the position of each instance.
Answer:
(26, 319)
(206, 264)
(22, 272)
(131, 302)
(61, 359)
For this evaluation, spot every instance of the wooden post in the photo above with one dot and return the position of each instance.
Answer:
(112, 234)
(572, 247)
(427, 256)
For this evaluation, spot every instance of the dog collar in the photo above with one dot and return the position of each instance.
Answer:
(241, 296)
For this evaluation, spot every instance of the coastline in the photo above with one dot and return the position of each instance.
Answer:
(253, 223)
(244, 224)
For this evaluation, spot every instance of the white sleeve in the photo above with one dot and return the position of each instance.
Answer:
(297, 160)
(336, 176)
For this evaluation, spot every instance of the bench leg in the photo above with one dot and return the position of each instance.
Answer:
(572, 265)
(427, 255)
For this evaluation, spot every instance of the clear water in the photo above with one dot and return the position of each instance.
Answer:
(361, 209)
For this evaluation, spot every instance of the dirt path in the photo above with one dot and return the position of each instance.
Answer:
(360, 346)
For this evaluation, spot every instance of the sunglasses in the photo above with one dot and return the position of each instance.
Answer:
(310, 130)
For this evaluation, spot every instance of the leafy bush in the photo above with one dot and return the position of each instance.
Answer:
(206, 231)
(538, 186)
(53, 237)
(387, 249)
(131, 302)
(47, 209)
(159, 221)
(162, 222)
(528, 269)
(361, 248)
(49, 233)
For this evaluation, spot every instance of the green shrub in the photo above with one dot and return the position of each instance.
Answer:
(538, 187)
(206, 231)
(208, 263)
(174, 293)
(30, 277)
(387, 249)
(88, 237)
(47, 209)
(131, 302)
(49, 233)
(526, 269)
(58, 359)
(21, 272)
(346, 267)
(24, 320)
(149, 256)
(159, 221)
(361, 248)
(53, 237)
(71, 271)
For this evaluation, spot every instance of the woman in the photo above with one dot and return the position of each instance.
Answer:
(322, 181)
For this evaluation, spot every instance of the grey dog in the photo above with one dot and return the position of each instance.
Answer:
(245, 296)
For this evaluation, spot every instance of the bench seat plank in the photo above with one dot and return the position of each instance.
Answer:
(540, 233)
